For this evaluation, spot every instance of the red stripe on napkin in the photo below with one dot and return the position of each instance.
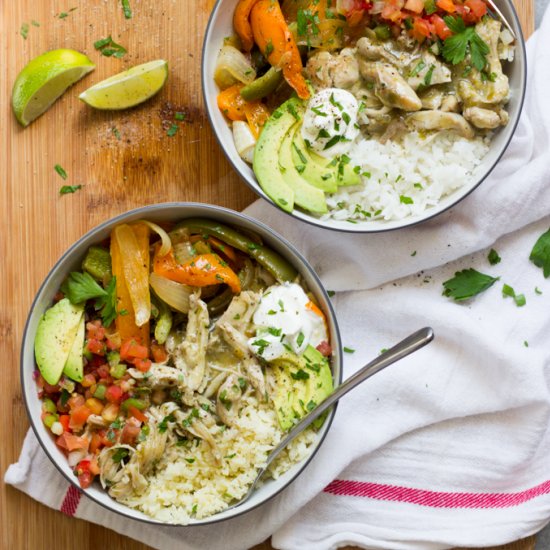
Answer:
(71, 500)
(434, 499)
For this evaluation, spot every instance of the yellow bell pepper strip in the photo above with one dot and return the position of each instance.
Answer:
(202, 270)
(126, 323)
(257, 115)
(277, 44)
(241, 23)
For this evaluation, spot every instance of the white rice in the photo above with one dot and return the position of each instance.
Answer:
(188, 484)
(404, 178)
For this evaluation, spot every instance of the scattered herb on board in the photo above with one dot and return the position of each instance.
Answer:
(464, 40)
(108, 47)
(538, 290)
(126, 9)
(179, 116)
(526, 343)
(331, 293)
(35, 23)
(493, 257)
(61, 171)
(466, 284)
(116, 133)
(172, 131)
(24, 31)
(509, 292)
(65, 14)
(540, 255)
(68, 189)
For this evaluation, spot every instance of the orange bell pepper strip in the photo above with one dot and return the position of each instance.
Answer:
(241, 23)
(126, 324)
(202, 270)
(277, 44)
(231, 103)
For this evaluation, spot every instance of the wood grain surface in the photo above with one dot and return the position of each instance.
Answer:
(144, 166)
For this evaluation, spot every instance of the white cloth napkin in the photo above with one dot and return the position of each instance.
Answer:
(448, 447)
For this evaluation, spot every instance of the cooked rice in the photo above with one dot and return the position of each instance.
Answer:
(186, 482)
(404, 178)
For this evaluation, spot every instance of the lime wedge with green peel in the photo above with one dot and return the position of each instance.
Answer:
(44, 79)
(128, 88)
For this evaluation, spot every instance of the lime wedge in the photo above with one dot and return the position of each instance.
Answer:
(44, 79)
(128, 88)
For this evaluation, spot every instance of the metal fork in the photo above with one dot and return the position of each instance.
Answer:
(407, 346)
(499, 15)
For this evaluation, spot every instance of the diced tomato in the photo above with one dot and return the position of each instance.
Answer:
(112, 344)
(446, 5)
(75, 401)
(130, 431)
(113, 394)
(106, 440)
(58, 297)
(72, 442)
(94, 330)
(440, 27)
(85, 476)
(477, 7)
(137, 414)
(131, 349)
(103, 371)
(95, 443)
(96, 361)
(421, 29)
(95, 405)
(64, 420)
(392, 12)
(142, 365)
(79, 417)
(159, 352)
(324, 348)
(49, 389)
(95, 346)
(85, 479)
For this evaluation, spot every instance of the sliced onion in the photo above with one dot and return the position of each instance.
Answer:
(244, 140)
(135, 263)
(174, 294)
(232, 67)
(76, 456)
(164, 237)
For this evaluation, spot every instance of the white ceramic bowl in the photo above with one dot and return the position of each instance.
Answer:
(72, 260)
(221, 26)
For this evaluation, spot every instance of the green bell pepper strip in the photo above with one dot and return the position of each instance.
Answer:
(263, 85)
(164, 321)
(266, 257)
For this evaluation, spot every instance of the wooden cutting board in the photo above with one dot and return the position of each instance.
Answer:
(122, 159)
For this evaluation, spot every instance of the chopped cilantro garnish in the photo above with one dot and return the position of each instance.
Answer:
(349, 350)
(405, 200)
(67, 189)
(108, 47)
(467, 284)
(190, 460)
(117, 133)
(508, 291)
(61, 171)
(172, 131)
(540, 255)
(331, 293)
(493, 257)
(120, 454)
(300, 375)
(418, 67)
(300, 339)
(179, 116)
(268, 48)
(538, 290)
(274, 331)
(163, 424)
(126, 9)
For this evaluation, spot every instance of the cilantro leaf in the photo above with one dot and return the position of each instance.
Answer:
(467, 284)
(464, 40)
(107, 303)
(80, 287)
(493, 257)
(508, 291)
(540, 255)
(67, 189)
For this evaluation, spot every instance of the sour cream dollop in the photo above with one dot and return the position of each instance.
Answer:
(330, 122)
(285, 322)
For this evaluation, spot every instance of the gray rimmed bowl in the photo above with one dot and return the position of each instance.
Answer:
(72, 260)
(220, 26)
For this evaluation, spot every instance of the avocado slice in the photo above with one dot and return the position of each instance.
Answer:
(266, 159)
(302, 383)
(306, 196)
(331, 171)
(313, 169)
(55, 335)
(74, 367)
